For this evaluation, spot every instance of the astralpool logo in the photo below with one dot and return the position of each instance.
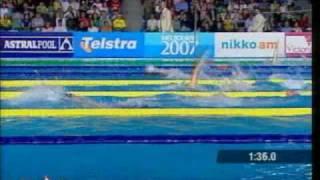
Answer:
(30, 44)
(243, 44)
(89, 44)
(35, 44)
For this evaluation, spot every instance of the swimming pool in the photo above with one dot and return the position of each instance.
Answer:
(140, 114)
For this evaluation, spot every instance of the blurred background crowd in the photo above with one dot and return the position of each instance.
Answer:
(62, 15)
(156, 15)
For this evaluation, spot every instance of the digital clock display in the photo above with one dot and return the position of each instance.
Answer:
(264, 156)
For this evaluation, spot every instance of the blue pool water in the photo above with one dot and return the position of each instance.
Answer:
(150, 161)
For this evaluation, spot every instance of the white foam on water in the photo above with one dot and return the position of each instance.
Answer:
(51, 96)
(40, 94)
(239, 74)
(235, 82)
(235, 85)
(212, 101)
(279, 76)
(175, 73)
(219, 100)
(139, 102)
(294, 84)
(172, 73)
(182, 87)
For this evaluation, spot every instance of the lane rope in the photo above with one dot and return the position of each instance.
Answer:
(24, 83)
(242, 94)
(156, 139)
(150, 112)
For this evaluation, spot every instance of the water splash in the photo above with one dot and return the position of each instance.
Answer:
(238, 74)
(56, 96)
(292, 84)
(167, 100)
(235, 85)
(139, 102)
(279, 76)
(40, 94)
(185, 87)
(51, 96)
(219, 100)
(235, 82)
(173, 73)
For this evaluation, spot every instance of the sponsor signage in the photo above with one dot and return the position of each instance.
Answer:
(179, 45)
(36, 44)
(249, 45)
(155, 45)
(298, 44)
(113, 45)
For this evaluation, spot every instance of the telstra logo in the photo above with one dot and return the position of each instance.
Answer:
(90, 44)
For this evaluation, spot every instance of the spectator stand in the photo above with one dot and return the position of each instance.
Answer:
(184, 16)
(60, 15)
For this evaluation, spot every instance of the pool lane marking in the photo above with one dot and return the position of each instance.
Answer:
(14, 94)
(23, 83)
(157, 139)
(150, 112)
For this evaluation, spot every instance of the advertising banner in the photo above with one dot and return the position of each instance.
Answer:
(179, 45)
(113, 45)
(298, 44)
(154, 45)
(36, 44)
(254, 45)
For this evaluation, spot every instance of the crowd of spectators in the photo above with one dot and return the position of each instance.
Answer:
(225, 16)
(62, 15)
(159, 16)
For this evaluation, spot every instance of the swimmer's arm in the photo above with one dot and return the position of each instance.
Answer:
(82, 100)
(195, 73)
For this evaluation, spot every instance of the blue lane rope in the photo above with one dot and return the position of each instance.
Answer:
(156, 139)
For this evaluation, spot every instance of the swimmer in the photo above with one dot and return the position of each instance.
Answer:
(292, 93)
(196, 70)
(81, 100)
(195, 74)
(155, 70)
(172, 73)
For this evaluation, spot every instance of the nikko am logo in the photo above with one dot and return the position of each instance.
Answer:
(245, 44)
(89, 44)
(36, 44)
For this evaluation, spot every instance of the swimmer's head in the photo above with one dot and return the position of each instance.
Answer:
(68, 95)
(150, 69)
(291, 93)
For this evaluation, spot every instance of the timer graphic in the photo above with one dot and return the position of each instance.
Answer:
(265, 156)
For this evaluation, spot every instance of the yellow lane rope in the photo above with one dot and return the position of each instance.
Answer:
(14, 94)
(145, 112)
(23, 83)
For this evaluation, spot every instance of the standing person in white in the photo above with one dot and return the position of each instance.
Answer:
(258, 22)
(165, 18)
